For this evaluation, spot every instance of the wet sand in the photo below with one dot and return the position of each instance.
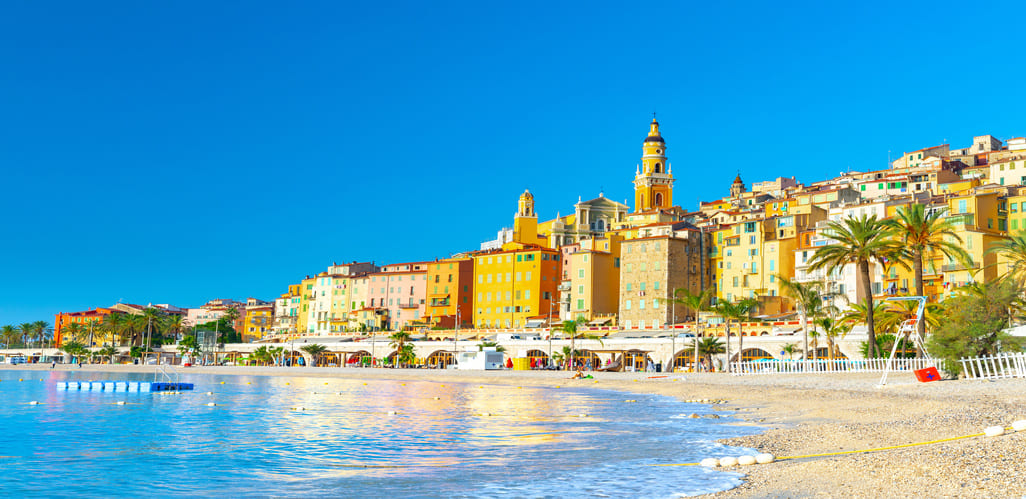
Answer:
(802, 415)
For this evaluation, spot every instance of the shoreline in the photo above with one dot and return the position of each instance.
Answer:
(799, 415)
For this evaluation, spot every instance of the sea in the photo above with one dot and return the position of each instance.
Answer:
(280, 436)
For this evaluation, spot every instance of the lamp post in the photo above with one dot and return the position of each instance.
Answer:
(456, 333)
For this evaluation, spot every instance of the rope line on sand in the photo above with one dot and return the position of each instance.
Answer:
(843, 452)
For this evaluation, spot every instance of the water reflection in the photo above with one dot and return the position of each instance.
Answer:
(361, 437)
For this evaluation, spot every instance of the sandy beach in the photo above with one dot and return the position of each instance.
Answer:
(803, 415)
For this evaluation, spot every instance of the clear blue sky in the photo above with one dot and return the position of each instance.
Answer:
(182, 151)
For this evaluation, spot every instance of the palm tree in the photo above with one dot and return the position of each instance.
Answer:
(154, 319)
(832, 328)
(9, 334)
(744, 309)
(114, 325)
(697, 303)
(173, 325)
(707, 347)
(71, 332)
(861, 242)
(134, 325)
(885, 318)
(276, 353)
(399, 340)
(1013, 248)
(789, 349)
(807, 298)
(27, 329)
(570, 327)
(42, 332)
(315, 351)
(923, 234)
(109, 352)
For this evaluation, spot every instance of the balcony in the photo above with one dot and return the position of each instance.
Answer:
(962, 219)
(955, 267)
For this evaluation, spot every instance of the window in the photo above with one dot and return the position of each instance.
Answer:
(642, 288)
(580, 290)
(655, 285)
(627, 305)
(518, 276)
(580, 304)
(628, 286)
(641, 304)
(580, 273)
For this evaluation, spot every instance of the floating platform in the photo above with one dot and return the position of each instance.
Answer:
(122, 386)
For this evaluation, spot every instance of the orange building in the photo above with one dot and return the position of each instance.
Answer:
(450, 292)
(84, 319)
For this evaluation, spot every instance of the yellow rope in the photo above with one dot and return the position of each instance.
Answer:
(861, 451)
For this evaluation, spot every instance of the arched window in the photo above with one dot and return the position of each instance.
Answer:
(658, 168)
(658, 199)
(600, 225)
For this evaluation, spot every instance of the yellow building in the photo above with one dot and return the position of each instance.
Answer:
(592, 281)
(257, 321)
(514, 284)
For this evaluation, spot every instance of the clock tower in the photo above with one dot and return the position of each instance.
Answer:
(653, 179)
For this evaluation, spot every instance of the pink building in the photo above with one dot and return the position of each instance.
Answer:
(401, 288)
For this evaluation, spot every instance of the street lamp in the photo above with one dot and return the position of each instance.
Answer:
(456, 334)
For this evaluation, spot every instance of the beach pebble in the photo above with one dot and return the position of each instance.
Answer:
(1019, 425)
(727, 462)
(746, 460)
(994, 431)
(693, 416)
(710, 462)
(764, 458)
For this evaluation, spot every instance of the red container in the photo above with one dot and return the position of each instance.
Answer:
(928, 374)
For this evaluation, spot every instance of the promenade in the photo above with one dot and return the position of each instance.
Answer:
(802, 415)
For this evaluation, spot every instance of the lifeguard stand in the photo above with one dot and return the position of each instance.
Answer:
(909, 328)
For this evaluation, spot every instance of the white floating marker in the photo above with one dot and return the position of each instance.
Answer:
(392, 413)
(710, 462)
(210, 393)
(746, 460)
(34, 402)
(1019, 425)
(994, 431)
(211, 404)
(299, 408)
(764, 458)
(727, 462)
(121, 402)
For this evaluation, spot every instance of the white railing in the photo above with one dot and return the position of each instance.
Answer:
(1003, 365)
(826, 365)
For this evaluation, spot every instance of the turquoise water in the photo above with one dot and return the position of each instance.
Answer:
(439, 442)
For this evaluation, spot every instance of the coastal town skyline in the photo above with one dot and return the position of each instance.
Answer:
(150, 179)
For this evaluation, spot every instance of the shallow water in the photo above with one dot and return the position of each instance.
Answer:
(533, 442)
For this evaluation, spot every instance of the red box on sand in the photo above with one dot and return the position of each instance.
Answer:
(928, 374)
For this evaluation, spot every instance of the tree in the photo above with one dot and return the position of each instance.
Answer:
(71, 332)
(975, 321)
(487, 344)
(43, 332)
(109, 351)
(173, 325)
(189, 346)
(276, 354)
(697, 303)
(315, 351)
(736, 311)
(1013, 249)
(789, 349)
(114, 325)
(885, 318)
(832, 328)
(27, 329)
(399, 340)
(73, 348)
(922, 234)
(860, 242)
(707, 347)
(10, 334)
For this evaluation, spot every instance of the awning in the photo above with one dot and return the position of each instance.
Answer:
(532, 323)
(600, 322)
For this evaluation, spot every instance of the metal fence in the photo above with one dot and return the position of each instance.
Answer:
(828, 366)
(1003, 365)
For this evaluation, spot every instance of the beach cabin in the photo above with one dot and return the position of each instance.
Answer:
(487, 359)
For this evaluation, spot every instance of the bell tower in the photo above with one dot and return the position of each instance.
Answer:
(653, 179)
(525, 222)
